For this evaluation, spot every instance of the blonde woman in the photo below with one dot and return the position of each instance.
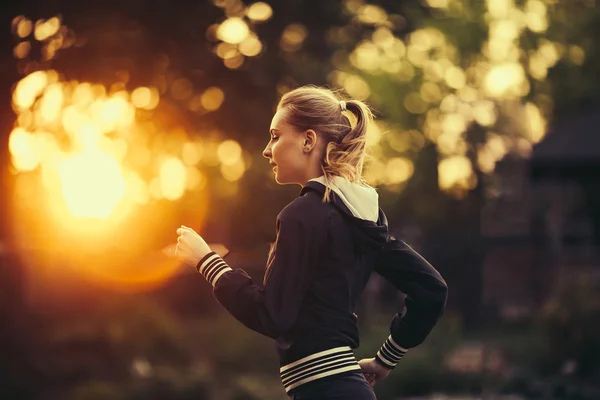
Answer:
(329, 241)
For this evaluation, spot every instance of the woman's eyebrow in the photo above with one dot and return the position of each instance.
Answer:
(273, 130)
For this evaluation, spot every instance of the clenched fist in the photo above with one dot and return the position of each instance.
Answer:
(373, 371)
(191, 247)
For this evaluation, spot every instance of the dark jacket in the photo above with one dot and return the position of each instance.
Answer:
(321, 261)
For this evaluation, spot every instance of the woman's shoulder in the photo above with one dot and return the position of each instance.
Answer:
(307, 207)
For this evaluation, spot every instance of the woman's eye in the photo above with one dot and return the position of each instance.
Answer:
(274, 137)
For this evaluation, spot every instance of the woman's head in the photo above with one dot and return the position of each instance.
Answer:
(311, 135)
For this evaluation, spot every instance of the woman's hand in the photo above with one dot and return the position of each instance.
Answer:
(373, 371)
(191, 248)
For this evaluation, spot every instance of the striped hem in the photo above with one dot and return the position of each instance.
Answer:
(212, 266)
(390, 353)
(316, 366)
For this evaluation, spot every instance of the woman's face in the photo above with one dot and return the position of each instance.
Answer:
(285, 151)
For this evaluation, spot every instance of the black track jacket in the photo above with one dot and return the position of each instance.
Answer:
(321, 261)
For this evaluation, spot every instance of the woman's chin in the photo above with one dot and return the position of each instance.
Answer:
(281, 179)
(277, 175)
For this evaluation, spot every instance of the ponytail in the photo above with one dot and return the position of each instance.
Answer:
(346, 157)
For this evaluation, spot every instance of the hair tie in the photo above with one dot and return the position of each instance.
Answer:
(342, 105)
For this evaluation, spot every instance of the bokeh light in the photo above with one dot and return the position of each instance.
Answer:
(357, 87)
(251, 46)
(28, 89)
(172, 178)
(24, 27)
(259, 12)
(233, 30)
(229, 152)
(191, 153)
(234, 62)
(399, 170)
(292, 37)
(233, 172)
(22, 50)
(455, 172)
(212, 98)
(141, 97)
(46, 29)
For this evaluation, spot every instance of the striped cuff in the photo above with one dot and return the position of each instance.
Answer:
(212, 267)
(390, 353)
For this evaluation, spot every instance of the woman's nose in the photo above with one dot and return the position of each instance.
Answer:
(267, 152)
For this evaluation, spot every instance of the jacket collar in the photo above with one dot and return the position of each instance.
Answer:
(370, 233)
(314, 186)
(319, 188)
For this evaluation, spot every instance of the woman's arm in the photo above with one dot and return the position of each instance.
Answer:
(271, 310)
(426, 293)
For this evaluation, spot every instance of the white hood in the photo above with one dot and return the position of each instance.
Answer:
(362, 201)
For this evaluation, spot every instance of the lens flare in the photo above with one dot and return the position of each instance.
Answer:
(97, 177)
(91, 184)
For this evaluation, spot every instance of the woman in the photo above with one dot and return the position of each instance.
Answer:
(329, 239)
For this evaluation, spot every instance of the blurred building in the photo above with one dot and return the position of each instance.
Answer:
(542, 223)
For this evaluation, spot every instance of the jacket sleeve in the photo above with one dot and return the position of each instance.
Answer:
(271, 309)
(426, 293)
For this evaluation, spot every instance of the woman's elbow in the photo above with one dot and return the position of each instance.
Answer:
(435, 301)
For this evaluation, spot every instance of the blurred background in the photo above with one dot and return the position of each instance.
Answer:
(122, 120)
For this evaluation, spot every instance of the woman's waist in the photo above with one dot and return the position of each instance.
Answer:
(318, 365)
(312, 333)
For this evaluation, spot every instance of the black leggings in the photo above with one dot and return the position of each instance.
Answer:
(351, 386)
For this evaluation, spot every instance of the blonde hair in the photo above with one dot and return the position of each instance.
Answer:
(321, 109)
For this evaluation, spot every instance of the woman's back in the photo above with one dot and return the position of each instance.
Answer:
(326, 318)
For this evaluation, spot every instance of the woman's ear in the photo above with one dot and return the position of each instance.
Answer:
(310, 140)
